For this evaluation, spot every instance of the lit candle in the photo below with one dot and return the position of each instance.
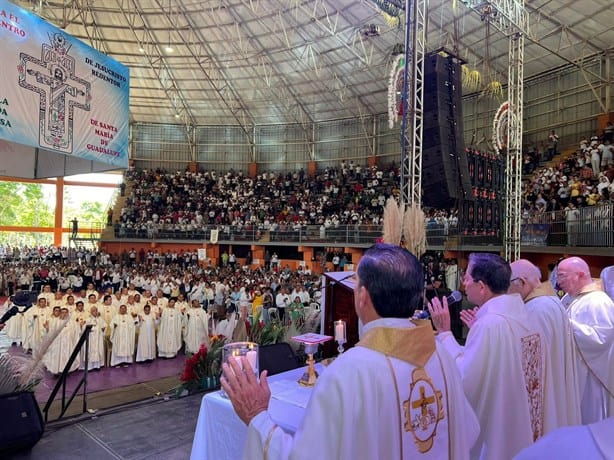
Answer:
(237, 359)
(252, 357)
(339, 330)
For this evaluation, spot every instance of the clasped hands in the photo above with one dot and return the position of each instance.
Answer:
(248, 397)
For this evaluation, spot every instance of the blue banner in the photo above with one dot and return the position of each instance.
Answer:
(59, 94)
(534, 234)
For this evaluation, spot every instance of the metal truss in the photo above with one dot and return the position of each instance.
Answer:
(510, 18)
(413, 87)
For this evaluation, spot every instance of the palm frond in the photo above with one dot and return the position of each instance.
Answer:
(393, 221)
(414, 230)
(30, 373)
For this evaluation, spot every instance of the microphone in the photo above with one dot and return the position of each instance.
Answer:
(454, 297)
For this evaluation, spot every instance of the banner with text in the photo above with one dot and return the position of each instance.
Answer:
(59, 94)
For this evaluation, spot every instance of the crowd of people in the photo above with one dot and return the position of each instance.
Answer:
(585, 178)
(145, 310)
(530, 368)
(186, 202)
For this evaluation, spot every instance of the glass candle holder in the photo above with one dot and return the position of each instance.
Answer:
(236, 350)
(340, 334)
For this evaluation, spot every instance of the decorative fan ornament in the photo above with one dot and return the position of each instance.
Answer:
(395, 90)
(499, 127)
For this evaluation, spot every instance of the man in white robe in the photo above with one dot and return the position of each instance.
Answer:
(197, 328)
(146, 347)
(123, 334)
(35, 319)
(594, 442)
(96, 355)
(397, 395)
(170, 333)
(108, 310)
(591, 312)
(544, 307)
(503, 365)
(61, 348)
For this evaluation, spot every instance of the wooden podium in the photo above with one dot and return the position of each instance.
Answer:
(338, 303)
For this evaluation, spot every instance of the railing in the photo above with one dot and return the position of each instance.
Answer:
(589, 226)
(84, 339)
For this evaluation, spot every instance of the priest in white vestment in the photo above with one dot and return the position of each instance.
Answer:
(594, 442)
(197, 328)
(591, 312)
(503, 364)
(108, 310)
(35, 319)
(123, 335)
(170, 333)
(15, 325)
(96, 355)
(544, 307)
(396, 395)
(146, 347)
(61, 348)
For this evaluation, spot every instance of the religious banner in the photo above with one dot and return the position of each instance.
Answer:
(202, 254)
(59, 95)
(214, 236)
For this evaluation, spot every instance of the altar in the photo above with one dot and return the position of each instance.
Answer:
(220, 434)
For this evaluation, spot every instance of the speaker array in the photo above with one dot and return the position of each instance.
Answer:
(445, 171)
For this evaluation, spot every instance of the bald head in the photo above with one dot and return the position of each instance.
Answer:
(573, 274)
(525, 277)
(524, 269)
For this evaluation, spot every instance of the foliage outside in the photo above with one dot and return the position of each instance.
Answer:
(25, 205)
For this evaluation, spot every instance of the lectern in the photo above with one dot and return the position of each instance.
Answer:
(338, 303)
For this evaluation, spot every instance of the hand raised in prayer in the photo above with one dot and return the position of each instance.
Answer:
(468, 316)
(248, 397)
(440, 314)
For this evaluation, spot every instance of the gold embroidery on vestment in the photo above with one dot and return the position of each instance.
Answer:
(532, 368)
(423, 410)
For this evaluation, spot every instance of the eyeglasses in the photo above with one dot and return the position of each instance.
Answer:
(513, 280)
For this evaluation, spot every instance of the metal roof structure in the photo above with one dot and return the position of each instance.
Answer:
(246, 62)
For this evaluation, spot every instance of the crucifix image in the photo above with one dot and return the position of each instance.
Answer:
(60, 92)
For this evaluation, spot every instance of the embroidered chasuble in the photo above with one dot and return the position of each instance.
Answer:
(396, 395)
(503, 367)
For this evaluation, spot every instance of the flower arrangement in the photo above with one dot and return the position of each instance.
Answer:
(202, 370)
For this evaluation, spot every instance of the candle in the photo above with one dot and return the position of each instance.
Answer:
(237, 359)
(339, 330)
(252, 357)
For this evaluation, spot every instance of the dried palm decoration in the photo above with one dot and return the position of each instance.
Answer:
(414, 230)
(393, 222)
(24, 373)
(405, 226)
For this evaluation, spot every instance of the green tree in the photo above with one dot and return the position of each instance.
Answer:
(24, 205)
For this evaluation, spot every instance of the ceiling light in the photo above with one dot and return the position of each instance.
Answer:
(141, 49)
(169, 49)
(176, 115)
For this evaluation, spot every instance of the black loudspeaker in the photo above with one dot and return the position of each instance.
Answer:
(21, 422)
(277, 358)
(445, 169)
